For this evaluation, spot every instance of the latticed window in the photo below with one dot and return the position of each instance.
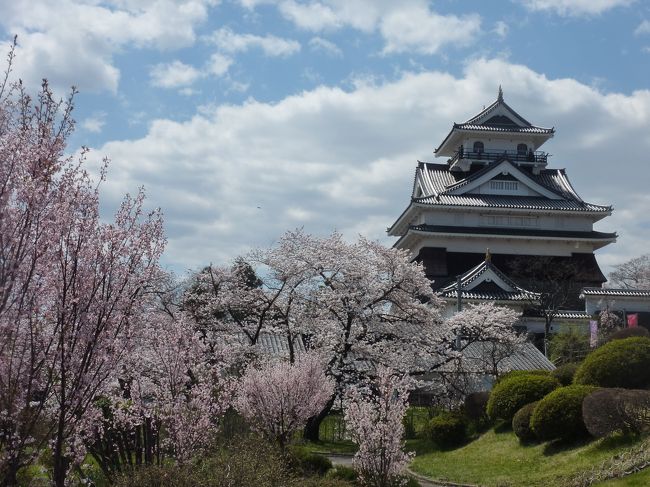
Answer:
(504, 185)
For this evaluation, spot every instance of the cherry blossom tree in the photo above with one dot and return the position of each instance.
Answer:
(491, 326)
(166, 384)
(375, 423)
(359, 304)
(277, 397)
(635, 273)
(71, 286)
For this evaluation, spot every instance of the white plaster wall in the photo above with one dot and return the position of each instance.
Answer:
(473, 219)
(504, 245)
(493, 143)
(593, 304)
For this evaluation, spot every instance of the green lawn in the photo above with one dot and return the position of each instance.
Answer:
(498, 459)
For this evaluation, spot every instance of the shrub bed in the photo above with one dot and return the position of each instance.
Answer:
(521, 423)
(559, 415)
(514, 392)
(620, 363)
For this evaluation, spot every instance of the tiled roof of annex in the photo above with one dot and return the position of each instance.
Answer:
(598, 291)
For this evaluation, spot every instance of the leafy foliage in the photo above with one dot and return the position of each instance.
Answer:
(559, 414)
(514, 392)
(308, 463)
(568, 346)
(608, 410)
(624, 333)
(621, 363)
(521, 423)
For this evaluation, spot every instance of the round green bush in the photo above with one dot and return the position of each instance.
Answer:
(559, 415)
(521, 422)
(514, 392)
(620, 363)
(521, 373)
(565, 373)
(447, 429)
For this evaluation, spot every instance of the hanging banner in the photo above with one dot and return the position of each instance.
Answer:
(633, 320)
(593, 332)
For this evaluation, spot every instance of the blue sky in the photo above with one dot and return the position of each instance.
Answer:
(245, 118)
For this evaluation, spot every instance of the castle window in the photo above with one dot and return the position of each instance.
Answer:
(508, 221)
(504, 185)
(522, 149)
(478, 146)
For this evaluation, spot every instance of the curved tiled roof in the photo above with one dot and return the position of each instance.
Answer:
(479, 123)
(518, 293)
(493, 128)
(437, 181)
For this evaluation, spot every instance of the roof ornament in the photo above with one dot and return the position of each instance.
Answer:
(500, 97)
(488, 256)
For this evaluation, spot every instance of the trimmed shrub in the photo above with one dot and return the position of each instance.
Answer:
(565, 373)
(514, 392)
(608, 410)
(620, 363)
(521, 373)
(559, 415)
(624, 333)
(521, 423)
(447, 429)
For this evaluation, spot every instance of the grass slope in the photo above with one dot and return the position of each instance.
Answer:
(498, 459)
(641, 479)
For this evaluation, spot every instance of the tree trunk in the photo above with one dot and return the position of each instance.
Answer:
(10, 474)
(312, 428)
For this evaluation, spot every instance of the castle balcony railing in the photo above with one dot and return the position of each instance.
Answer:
(531, 157)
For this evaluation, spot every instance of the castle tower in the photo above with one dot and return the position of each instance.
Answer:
(495, 191)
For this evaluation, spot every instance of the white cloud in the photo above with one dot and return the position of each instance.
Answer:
(323, 45)
(575, 7)
(73, 42)
(643, 28)
(408, 25)
(230, 42)
(501, 29)
(95, 123)
(418, 29)
(218, 64)
(173, 75)
(331, 159)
